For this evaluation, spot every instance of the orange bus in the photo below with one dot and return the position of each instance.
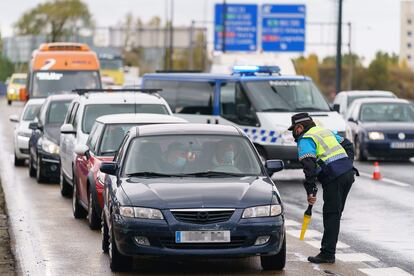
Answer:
(58, 68)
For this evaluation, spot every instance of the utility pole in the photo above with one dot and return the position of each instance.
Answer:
(351, 58)
(223, 15)
(339, 49)
(171, 62)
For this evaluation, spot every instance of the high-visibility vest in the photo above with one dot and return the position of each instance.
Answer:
(328, 148)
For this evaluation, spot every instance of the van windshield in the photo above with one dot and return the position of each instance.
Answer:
(285, 96)
(47, 83)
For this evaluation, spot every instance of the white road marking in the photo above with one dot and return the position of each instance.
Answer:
(387, 180)
(387, 271)
(309, 233)
(290, 222)
(317, 244)
(355, 257)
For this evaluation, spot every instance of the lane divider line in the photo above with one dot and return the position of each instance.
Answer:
(355, 257)
(386, 271)
(387, 180)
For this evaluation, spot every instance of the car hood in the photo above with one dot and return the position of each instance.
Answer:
(168, 193)
(52, 132)
(388, 127)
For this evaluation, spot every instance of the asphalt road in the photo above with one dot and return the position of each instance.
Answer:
(47, 240)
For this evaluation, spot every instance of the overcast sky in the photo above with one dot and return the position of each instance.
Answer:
(376, 23)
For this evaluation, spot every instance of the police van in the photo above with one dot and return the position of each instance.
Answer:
(257, 99)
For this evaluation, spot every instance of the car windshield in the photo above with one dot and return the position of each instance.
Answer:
(191, 155)
(21, 81)
(286, 95)
(351, 99)
(58, 82)
(93, 111)
(386, 112)
(57, 112)
(112, 138)
(31, 112)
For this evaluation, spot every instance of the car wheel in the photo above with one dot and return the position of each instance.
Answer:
(94, 218)
(39, 172)
(118, 262)
(18, 162)
(78, 211)
(105, 235)
(65, 187)
(9, 102)
(275, 262)
(32, 170)
(359, 153)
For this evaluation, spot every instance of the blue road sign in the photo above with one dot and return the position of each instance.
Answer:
(240, 28)
(283, 28)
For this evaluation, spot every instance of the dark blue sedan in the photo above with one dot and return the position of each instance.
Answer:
(191, 190)
(382, 128)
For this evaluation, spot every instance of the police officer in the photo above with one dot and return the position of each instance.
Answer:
(327, 157)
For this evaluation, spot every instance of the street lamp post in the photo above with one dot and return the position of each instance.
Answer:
(171, 63)
(339, 49)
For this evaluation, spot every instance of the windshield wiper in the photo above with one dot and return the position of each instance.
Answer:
(275, 109)
(214, 173)
(150, 174)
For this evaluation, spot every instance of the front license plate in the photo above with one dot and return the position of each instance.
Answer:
(402, 145)
(202, 236)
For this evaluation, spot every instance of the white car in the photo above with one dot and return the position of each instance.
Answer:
(81, 116)
(22, 132)
(344, 99)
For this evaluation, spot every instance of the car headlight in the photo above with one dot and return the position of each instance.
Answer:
(12, 91)
(24, 134)
(375, 135)
(262, 211)
(140, 212)
(50, 147)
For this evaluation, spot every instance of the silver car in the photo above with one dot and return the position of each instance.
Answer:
(22, 132)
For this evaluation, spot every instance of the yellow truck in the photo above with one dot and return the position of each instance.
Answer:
(17, 81)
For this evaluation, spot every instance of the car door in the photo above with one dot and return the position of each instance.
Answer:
(69, 140)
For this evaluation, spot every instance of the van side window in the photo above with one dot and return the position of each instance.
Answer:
(169, 90)
(235, 106)
(195, 98)
(73, 114)
(95, 137)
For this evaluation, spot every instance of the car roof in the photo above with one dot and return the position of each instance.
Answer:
(380, 100)
(35, 101)
(19, 75)
(121, 97)
(61, 97)
(223, 77)
(367, 92)
(140, 118)
(183, 129)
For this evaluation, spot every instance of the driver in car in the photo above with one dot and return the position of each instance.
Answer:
(175, 157)
(225, 154)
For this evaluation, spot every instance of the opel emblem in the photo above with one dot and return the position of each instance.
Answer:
(401, 136)
(202, 216)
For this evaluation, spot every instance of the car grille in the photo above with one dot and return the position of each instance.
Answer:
(235, 242)
(394, 136)
(201, 216)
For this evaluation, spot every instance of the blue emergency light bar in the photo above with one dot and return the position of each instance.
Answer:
(249, 70)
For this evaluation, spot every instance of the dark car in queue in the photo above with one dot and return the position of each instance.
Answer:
(191, 190)
(382, 128)
(44, 161)
(103, 142)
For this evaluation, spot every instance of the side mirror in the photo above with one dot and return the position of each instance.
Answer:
(352, 120)
(109, 168)
(82, 150)
(67, 129)
(336, 107)
(23, 94)
(14, 118)
(273, 166)
(34, 125)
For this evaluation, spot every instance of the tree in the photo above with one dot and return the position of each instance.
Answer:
(378, 71)
(6, 68)
(56, 19)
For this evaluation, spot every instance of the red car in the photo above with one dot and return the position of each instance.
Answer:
(101, 146)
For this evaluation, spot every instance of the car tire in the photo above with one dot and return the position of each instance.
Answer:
(359, 153)
(94, 217)
(275, 262)
(117, 261)
(105, 235)
(32, 170)
(18, 162)
(78, 211)
(9, 102)
(65, 187)
(40, 177)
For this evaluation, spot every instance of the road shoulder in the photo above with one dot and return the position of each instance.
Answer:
(7, 260)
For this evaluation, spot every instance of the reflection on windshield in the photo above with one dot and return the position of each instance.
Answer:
(58, 82)
(289, 96)
(57, 112)
(195, 155)
(386, 112)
